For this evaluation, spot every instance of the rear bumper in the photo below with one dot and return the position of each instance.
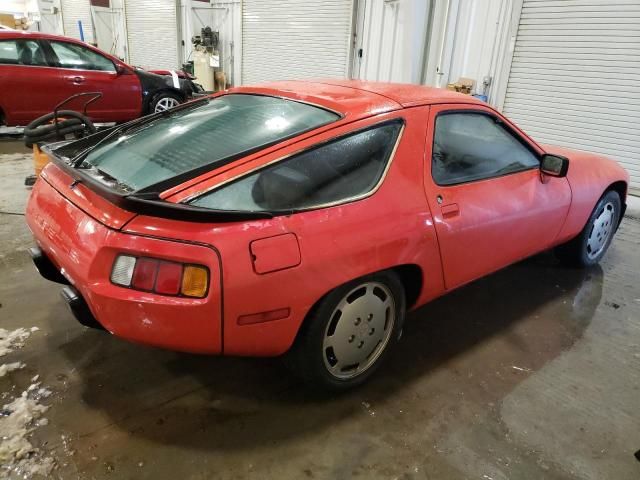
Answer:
(76, 250)
(70, 295)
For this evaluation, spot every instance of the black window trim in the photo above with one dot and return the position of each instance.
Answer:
(498, 121)
(396, 120)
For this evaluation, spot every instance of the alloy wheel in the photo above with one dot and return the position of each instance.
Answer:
(165, 104)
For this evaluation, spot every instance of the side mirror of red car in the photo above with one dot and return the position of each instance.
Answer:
(554, 165)
(121, 69)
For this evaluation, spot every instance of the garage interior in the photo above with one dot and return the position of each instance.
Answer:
(531, 372)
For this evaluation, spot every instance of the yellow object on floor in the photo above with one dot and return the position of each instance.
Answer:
(39, 160)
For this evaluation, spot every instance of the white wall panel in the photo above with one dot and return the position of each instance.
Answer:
(392, 37)
(74, 11)
(295, 39)
(152, 31)
(50, 22)
(575, 76)
(110, 28)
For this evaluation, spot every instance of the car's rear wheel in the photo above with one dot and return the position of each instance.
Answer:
(350, 331)
(591, 244)
(164, 101)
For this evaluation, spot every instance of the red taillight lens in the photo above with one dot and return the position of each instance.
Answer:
(160, 276)
(144, 274)
(169, 278)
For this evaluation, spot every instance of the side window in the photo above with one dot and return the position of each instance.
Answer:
(21, 52)
(78, 57)
(343, 169)
(473, 146)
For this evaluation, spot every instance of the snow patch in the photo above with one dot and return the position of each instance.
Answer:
(10, 367)
(12, 339)
(18, 420)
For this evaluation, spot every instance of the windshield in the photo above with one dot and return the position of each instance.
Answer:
(205, 135)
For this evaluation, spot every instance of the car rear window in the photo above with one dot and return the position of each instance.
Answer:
(206, 135)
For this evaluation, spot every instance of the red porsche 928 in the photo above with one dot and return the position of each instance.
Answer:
(306, 218)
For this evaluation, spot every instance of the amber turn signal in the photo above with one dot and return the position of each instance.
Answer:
(195, 281)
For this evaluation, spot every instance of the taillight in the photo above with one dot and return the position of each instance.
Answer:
(160, 276)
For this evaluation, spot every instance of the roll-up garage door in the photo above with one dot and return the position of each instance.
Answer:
(295, 39)
(575, 77)
(152, 32)
(72, 11)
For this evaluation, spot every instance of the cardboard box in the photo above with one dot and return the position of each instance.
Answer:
(7, 20)
(463, 85)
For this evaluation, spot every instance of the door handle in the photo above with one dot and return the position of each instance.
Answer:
(75, 79)
(450, 210)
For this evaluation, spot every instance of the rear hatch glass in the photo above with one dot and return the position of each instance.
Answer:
(183, 143)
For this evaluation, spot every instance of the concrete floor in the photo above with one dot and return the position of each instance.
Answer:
(533, 372)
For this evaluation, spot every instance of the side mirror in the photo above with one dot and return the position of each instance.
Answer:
(120, 69)
(554, 165)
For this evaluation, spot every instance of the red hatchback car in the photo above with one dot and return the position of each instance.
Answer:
(306, 218)
(38, 71)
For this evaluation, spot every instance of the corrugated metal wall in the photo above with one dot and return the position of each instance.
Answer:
(152, 33)
(295, 39)
(575, 76)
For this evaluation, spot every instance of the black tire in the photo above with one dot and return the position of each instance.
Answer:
(164, 96)
(308, 358)
(578, 252)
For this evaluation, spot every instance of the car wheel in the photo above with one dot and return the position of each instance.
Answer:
(348, 334)
(164, 101)
(589, 247)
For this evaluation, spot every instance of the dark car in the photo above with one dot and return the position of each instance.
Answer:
(38, 71)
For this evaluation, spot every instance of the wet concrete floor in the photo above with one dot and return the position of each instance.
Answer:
(533, 372)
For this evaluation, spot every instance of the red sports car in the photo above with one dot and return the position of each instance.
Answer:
(306, 218)
(38, 71)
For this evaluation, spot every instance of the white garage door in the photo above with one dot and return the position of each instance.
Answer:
(72, 11)
(152, 32)
(295, 39)
(575, 77)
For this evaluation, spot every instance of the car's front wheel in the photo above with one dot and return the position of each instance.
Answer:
(591, 244)
(164, 101)
(350, 331)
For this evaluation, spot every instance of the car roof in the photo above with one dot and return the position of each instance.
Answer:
(12, 34)
(26, 34)
(356, 97)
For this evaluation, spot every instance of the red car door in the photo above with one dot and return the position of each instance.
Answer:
(23, 68)
(490, 204)
(79, 68)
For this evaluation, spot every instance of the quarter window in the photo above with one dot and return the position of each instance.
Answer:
(78, 57)
(474, 146)
(342, 170)
(21, 52)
